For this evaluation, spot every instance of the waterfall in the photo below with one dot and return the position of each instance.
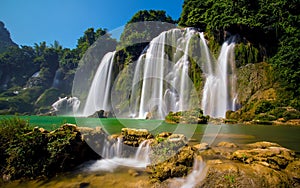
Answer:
(56, 79)
(219, 93)
(99, 93)
(161, 82)
(143, 150)
(66, 106)
(111, 150)
(197, 175)
(116, 154)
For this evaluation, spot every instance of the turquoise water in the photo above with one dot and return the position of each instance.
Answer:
(287, 136)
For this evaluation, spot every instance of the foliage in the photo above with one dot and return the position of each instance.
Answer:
(268, 30)
(140, 28)
(10, 130)
(33, 153)
(264, 106)
(194, 116)
(19, 64)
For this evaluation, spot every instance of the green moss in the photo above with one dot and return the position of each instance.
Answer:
(193, 117)
(245, 54)
(48, 97)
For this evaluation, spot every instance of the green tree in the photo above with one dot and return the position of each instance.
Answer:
(144, 26)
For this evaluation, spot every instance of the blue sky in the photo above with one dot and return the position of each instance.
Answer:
(34, 21)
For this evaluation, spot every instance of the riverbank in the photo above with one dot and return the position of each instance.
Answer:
(171, 155)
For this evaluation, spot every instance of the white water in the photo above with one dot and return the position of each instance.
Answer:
(113, 158)
(219, 93)
(196, 176)
(36, 74)
(99, 93)
(142, 153)
(161, 83)
(66, 105)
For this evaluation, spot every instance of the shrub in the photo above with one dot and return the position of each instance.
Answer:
(264, 106)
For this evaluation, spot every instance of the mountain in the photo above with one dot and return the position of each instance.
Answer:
(5, 40)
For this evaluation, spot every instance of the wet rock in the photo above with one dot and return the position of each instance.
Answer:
(227, 145)
(263, 144)
(273, 157)
(293, 170)
(201, 146)
(149, 115)
(84, 185)
(164, 134)
(133, 172)
(187, 117)
(229, 174)
(99, 114)
(176, 165)
(133, 137)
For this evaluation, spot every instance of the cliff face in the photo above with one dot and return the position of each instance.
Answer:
(5, 40)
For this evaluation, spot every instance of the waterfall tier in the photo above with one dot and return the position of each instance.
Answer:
(161, 80)
(99, 93)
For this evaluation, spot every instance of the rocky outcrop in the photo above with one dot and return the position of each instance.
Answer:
(177, 165)
(261, 164)
(133, 137)
(187, 117)
(5, 40)
(50, 152)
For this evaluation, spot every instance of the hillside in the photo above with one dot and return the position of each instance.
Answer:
(5, 40)
(266, 56)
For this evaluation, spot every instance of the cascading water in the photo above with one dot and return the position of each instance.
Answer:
(66, 106)
(99, 94)
(161, 82)
(115, 154)
(196, 176)
(142, 152)
(219, 93)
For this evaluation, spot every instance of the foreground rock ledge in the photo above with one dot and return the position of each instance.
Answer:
(261, 164)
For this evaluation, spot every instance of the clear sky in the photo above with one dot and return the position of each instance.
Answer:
(34, 21)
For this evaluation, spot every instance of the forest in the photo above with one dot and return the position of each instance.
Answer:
(268, 32)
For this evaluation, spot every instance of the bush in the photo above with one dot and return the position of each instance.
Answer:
(264, 106)
(32, 153)
(10, 131)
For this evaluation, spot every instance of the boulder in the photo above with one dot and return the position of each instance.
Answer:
(133, 137)
(201, 146)
(265, 153)
(230, 174)
(176, 165)
(227, 145)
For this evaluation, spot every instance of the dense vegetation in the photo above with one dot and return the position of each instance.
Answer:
(268, 30)
(32, 78)
(47, 154)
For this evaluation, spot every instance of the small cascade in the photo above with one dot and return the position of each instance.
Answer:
(197, 175)
(219, 93)
(99, 94)
(66, 106)
(143, 151)
(112, 149)
(113, 154)
(56, 79)
(36, 74)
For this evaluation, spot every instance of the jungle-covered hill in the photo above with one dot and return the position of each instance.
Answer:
(267, 56)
